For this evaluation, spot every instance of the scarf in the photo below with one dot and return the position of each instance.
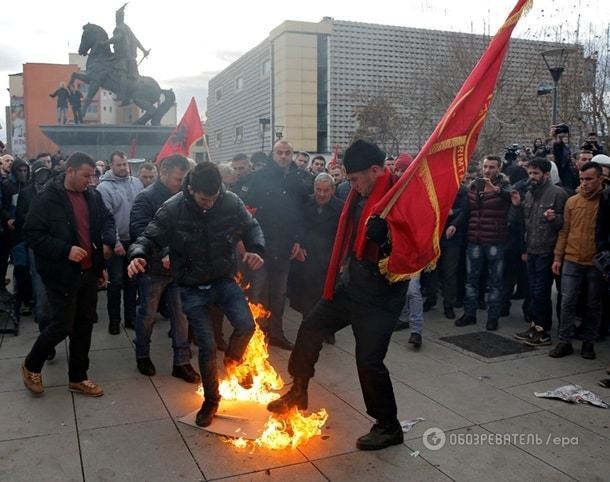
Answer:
(345, 230)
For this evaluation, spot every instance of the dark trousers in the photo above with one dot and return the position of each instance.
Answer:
(77, 117)
(119, 282)
(515, 274)
(372, 327)
(573, 275)
(5, 251)
(72, 312)
(445, 274)
(540, 279)
(268, 287)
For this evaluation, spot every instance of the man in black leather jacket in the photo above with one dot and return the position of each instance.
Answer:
(200, 226)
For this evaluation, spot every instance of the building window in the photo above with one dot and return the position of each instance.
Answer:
(218, 139)
(266, 68)
(239, 134)
(239, 83)
(110, 109)
(218, 94)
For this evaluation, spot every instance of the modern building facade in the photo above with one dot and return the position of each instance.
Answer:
(307, 81)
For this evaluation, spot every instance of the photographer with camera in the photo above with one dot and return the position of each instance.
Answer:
(512, 164)
(560, 134)
(574, 256)
(542, 213)
(597, 147)
(489, 202)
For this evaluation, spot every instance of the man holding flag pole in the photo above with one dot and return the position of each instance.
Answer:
(389, 231)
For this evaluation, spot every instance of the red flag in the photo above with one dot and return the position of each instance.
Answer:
(333, 160)
(417, 206)
(189, 130)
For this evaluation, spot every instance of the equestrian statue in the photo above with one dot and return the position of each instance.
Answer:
(117, 71)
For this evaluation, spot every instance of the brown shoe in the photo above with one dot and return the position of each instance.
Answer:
(86, 387)
(31, 380)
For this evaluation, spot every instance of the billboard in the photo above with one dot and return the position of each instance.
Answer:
(18, 127)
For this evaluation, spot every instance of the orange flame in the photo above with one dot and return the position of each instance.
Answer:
(281, 431)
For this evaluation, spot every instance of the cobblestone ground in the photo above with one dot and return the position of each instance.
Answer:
(132, 433)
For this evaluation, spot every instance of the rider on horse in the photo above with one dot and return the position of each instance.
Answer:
(126, 46)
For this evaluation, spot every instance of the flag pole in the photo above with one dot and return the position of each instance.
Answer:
(207, 148)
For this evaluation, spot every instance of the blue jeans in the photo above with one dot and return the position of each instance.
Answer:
(229, 297)
(41, 307)
(573, 276)
(475, 255)
(540, 279)
(151, 288)
(413, 311)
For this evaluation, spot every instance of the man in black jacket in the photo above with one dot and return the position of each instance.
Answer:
(356, 294)
(158, 278)
(277, 194)
(200, 226)
(70, 231)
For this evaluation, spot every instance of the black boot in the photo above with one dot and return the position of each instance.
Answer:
(587, 351)
(296, 397)
(561, 349)
(206, 413)
(381, 436)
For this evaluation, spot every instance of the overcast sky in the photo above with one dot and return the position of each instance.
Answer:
(192, 40)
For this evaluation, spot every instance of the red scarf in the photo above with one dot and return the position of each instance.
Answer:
(345, 228)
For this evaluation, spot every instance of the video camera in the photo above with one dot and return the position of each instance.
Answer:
(512, 153)
(559, 129)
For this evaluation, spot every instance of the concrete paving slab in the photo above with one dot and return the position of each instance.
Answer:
(583, 456)
(124, 401)
(151, 451)
(49, 458)
(54, 373)
(178, 396)
(114, 364)
(102, 340)
(471, 461)
(336, 370)
(24, 414)
(526, 392)
(473, 399)
(217, 458)
(292, 473)
(17, 346)
(388, 465)
(411, 405)
(593, 418)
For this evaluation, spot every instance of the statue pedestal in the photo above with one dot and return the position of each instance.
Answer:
(99, 140)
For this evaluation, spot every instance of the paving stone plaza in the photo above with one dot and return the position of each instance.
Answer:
(133, 433)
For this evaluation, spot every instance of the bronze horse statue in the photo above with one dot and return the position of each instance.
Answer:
(101, 72)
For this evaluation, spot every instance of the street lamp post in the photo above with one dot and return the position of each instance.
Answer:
(555, 61)
(264, 122)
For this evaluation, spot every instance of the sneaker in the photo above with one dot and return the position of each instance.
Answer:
(86, 387)
(31, 380)
(146, 367)
(527, 334)
(587, 351)
(186, 372)
(380, 437)
(415, 340)
(562, 349)
(465, 321)
(539, 338)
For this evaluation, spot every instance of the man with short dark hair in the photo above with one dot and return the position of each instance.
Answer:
(119, 190)
(542, 214)
(356, 294)
(302, 159)
(242, 167)
(277, 194)
(45, 157)
(147, 174)
(318, 165)
(574, 252)
(200, 225)
(489, 201)
(70, 231)
(158, 278)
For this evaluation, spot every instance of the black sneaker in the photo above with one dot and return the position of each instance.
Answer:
(539, 338)
(527, 334)
(492, 324)
(587, 351)
(146, 367)
(206, 413)
(562, 349)
(186, 372)
(380, 437)
(415, 340)
(465, 321)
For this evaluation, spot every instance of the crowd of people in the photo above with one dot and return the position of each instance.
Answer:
(296, 226)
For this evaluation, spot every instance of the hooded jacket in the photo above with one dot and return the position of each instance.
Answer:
(41, 175)
(119, 194)
(201, 242)
(11, 191)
